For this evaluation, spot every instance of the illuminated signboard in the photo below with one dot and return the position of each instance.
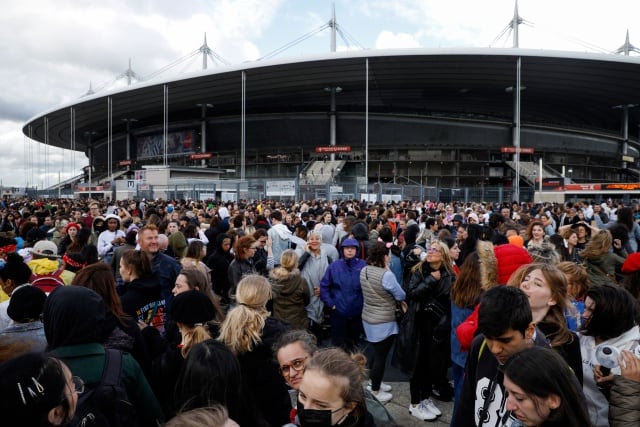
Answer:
(334, 149)
(510, 149)
(199, 156)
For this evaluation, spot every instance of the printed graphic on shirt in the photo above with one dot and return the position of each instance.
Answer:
(495, 414)
(153, 314)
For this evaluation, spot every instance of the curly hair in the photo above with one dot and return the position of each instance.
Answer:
(376, 254)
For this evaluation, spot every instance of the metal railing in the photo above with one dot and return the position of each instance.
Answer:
(256, 189)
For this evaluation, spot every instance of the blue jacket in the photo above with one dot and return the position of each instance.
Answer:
(340, 286)
(458, 315)
(166, 271)
(397, 266)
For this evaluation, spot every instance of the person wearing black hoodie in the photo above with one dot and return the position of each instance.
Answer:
(411, 252)
(73, 318)
(218, 262)
(360, 232)
(142, 298)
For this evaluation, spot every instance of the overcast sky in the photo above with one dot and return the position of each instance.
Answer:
(51, 50)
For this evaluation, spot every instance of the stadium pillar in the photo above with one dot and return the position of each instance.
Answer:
(516, 130)
(128, 122)
(625, 131)
(89, 135)
(243, 83)
(203, 129)
(366, 128)
(332, 120)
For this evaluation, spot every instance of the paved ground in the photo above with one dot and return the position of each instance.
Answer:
(398, 407)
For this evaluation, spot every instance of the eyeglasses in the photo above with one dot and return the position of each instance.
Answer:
(296, 364)
(433, 250)
(78, 384)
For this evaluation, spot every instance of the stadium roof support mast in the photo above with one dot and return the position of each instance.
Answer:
(626, 49)
(332, 88)
(332, 108)
(515, 22)
(129, 74)
(205, 50)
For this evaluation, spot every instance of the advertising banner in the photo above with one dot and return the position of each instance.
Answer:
(280, 188)
(178, 144)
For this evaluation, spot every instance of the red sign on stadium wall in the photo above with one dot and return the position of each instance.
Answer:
(624, 186)
(334, 149)
(510, 149)
(125, 162)
(582, 187)
(199, 156)
(551, 184)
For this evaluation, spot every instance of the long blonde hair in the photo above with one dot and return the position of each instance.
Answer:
(242, 328)
(446, 258)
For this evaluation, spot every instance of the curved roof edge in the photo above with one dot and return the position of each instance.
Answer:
(487, 51)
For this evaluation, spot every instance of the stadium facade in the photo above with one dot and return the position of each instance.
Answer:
(436, 117)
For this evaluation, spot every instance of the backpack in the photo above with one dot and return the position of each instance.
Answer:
(47, 282)
(106, 404)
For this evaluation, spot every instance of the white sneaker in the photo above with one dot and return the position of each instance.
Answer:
(431, 407)
(383, 386)
(383, 396)
(421, 412)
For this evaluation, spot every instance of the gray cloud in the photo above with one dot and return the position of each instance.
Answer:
(51, 50)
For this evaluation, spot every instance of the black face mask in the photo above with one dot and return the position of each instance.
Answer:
(314, 417)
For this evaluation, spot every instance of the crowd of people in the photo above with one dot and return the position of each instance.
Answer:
(270, 313)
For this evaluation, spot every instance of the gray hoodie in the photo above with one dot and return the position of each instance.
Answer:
(313, 271)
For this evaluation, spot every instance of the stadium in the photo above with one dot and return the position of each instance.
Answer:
(441, 122)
